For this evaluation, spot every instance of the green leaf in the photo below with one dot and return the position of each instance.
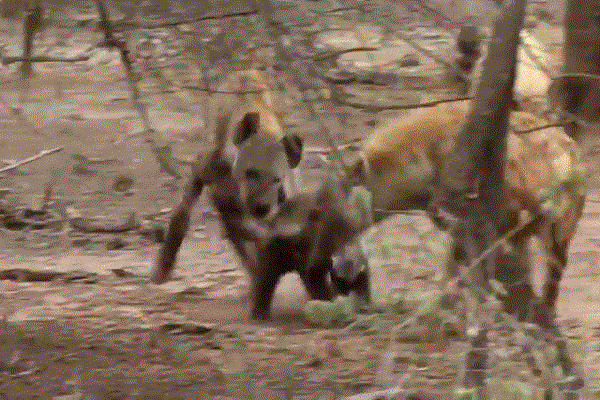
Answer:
(362, 198)
(517, 390)
(387, 250)
(498, 287)
(465, 394)
(324, 313)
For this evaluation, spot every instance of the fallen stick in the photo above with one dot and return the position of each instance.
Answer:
(87, 225)
(42, 59)
(119, 26)
(163, 156)
(30, 159)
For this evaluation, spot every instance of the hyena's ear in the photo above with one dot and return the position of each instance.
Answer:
(247, 127)
(292, 145)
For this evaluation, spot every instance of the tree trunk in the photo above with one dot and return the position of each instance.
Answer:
(582, 42)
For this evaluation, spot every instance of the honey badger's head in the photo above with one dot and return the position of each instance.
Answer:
(350, 272)
(262, 164)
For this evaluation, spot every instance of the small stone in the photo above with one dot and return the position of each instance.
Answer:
(55, 299)
(80, 241)
(409, 60)
(116, 244)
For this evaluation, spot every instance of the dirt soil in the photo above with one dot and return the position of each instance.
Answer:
(104, 332)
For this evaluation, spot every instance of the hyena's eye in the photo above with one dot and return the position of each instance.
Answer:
(253, 174)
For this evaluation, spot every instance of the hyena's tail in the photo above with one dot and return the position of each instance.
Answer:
(178, 227)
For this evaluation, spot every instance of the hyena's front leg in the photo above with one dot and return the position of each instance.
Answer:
(178, 227)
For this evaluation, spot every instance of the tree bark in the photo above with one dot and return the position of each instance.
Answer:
(471, 186)
(582, 42)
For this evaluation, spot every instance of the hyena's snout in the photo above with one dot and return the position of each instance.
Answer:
(264, 192)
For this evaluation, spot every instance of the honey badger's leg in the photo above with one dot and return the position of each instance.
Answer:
(316, 282)
(263, 288)
(178, 227)
(273, 261)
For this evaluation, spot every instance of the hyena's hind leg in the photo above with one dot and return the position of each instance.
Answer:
(556, 242)
(178, 226)
(556, 245)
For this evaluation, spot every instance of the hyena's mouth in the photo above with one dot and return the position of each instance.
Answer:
(261, 210)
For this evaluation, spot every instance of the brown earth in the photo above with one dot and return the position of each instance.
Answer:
(111, 337)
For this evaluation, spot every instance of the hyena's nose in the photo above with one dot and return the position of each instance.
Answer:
(260, 210)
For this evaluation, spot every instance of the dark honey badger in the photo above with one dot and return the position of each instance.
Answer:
(302, 236)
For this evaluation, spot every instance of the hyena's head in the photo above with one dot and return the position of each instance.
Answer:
(262, 164)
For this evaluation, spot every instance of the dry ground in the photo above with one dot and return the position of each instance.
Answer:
(112, 337)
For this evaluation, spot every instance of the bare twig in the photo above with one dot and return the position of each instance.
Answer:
(528, 222)
(148, 25)
(536, 60)
(42, 59)
(30, 159)
(163, 157)
(449, 65)
(18, 112)
(338, 97)
(31, 24)
(336, 54)
(438, 13)
(269, 25)
(212, 91)
(113, 42)
(337, 9)
(545, 126)
(204, 65)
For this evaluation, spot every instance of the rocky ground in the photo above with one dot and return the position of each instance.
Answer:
(96, 329)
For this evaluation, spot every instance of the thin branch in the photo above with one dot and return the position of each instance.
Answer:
(449, 65)
(343, 100)
(163, 156)
(31, 24)
(440, 14)
(148, 25)
(18, 112)
(539, 128)
(337, 9)
(264, 8)
(110, 41)
(212, 91)
(204, 64)
(336, 54)
(30, 159)
(528, 222)
(536, 60)
(41, 59)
